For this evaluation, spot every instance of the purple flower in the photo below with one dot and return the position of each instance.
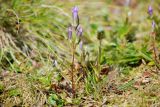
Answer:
(81, 45)
(69, 32)
(153, 24)
(75, 12)
(150, 10)
(75, 16)
(79, 31)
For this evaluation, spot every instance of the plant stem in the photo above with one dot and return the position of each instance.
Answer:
(154, 51)
(72, 70)
(99, 57)
(100, 49)
(83, 62)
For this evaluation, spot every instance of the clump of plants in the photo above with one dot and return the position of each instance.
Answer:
(154, 35)
(75, 32)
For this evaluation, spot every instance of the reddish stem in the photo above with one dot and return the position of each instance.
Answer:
(72, 71)
(154, 50)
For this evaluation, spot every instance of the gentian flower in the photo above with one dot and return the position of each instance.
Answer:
(79, 31)
(69, 32)
(153, 24)
(75, 12)
(75, 16)
(150, 10)
(81, 45)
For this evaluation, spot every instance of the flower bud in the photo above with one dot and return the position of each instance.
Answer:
(81, 45)
(79, 31)
(100, 34)
(153, 25)
(69, 32)
(150, 10)
(75, 12)
(75, 16)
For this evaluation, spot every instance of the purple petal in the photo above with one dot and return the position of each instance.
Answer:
(75, 12)
(81, 45)
(150, 10)
(153, 24)
(79, 31)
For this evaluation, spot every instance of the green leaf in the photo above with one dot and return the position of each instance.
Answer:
(54, 100)
(1, 87)
(14, 92)
(15, 3)
(126, 85)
